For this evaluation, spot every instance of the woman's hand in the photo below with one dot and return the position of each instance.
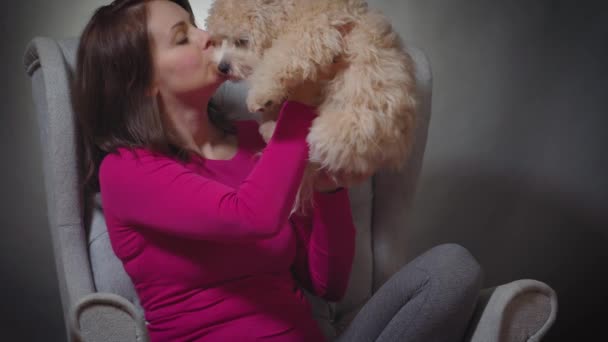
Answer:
(326, 182)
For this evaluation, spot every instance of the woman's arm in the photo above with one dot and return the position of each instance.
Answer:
(326, 245)
(158, 193)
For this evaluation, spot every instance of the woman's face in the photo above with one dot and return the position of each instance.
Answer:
(181, 53)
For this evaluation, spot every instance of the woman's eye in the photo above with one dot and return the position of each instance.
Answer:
(183, 41)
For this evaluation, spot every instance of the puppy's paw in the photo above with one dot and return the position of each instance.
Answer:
(262, 98)
(267, 129)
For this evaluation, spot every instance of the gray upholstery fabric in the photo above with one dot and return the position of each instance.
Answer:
(107, 317)
(45, 63)
(108, 274)
(87, 266)
(394, 192)
(379, 208)
(521, 311)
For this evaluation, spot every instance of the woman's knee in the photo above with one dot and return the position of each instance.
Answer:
(453, 266)
(460, 257)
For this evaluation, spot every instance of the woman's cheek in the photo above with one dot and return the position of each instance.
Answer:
(191, 70)
(191, 62)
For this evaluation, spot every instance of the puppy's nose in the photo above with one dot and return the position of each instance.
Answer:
(224, 67)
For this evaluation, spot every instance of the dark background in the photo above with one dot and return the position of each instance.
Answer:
(515, 168)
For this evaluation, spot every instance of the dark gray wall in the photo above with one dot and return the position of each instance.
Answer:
(31, 308)
(514, 170)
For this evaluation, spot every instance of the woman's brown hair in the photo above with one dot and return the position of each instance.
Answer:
(114, 72)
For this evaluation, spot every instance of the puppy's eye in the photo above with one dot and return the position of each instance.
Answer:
(241, 42)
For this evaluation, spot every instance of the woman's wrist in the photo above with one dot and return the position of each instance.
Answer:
(295, 120)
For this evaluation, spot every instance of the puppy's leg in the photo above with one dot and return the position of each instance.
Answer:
(268, 122)
(368, 116)
(308, 46)
(267, 129)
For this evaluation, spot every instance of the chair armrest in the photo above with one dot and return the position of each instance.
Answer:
(519, 311)
(106, 317)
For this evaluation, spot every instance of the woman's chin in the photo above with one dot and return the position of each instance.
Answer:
(218, 80)
(214, 83)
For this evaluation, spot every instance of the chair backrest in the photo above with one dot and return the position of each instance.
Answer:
(84, 258)
(48, 63)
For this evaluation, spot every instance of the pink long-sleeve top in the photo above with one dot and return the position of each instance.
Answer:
(210, 246)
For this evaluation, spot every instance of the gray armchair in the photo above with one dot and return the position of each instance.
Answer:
(99, 301)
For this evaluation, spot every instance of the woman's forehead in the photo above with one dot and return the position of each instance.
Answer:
(163, 16)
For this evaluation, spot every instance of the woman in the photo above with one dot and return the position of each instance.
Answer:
(202, 225)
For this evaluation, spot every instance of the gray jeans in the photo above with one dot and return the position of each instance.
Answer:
(430, 299)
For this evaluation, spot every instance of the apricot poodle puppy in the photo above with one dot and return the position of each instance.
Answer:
(367, 110)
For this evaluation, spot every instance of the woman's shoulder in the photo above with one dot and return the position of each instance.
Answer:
(124, 155)
(125, 161)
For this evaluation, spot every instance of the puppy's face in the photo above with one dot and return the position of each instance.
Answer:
(242, 28)
(234, 62)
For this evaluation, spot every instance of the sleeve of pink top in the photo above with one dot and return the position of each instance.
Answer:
(325, 246)
(158, 193)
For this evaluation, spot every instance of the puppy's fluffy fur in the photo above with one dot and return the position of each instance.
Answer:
(367, 115)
